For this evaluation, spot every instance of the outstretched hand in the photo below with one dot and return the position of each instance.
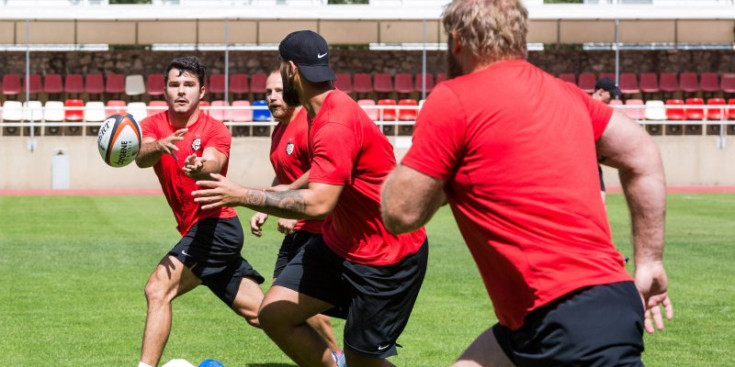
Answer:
(256, 223)
(167, 145)
(218, 192)
(194, 166)
(652, 284)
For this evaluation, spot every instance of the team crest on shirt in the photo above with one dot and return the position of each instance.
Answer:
(196, 144)
(289, 148)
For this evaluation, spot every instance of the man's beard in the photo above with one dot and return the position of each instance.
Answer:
(454, 69)
(290, 94)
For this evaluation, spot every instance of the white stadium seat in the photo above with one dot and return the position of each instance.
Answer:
(138, 110)
(12, 111)
(655, 110)
(94, 111)
(32, 110)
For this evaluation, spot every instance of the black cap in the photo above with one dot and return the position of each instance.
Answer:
(309, 51)
(608, 84)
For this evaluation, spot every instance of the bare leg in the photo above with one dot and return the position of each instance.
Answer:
(484, 351)
(283, 317)
(169, 280)
(247, 301)
(323, 325)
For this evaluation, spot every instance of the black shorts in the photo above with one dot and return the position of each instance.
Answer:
(376, 301)
(289, 247)
(593, 326)
(211, 249)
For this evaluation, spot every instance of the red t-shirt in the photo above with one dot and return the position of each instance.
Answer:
(517, 148)
(291, 159)
(348, 149)
(177, 186)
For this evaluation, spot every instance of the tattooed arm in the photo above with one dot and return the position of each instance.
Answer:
(313, 202)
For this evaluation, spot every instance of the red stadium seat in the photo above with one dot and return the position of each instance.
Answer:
(629, 83)
(242, 114)
(371, 112)
(115, 107)
(11, 84)
(115, 83)
(74, 110)
(610, 76)
(668, 82)
(674, 113)
(155, 85)
(74, 84)
(204, 106)
(387, 114)
(714, 112)
(440, 77)
(343, 82)
(257, 83)
(34, 83)
(568, 77)
(216, 84)
(220, 110)
(419, 85)
(727, 83)
(587, 82)
(408, 114)
(383, 83)
(709, 82)
(615, 102)
(94, 84)
(404, 83)
(688, 83)
(694, 113)
(53, 84)
(635, 110)
(649, 83)
(362, 83)
(155, 107)
(731, 110)
(239, 84)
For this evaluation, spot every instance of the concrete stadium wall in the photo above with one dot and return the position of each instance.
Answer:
(688, 160)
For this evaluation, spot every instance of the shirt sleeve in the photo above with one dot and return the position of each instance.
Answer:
(599, 112)
(334, 152)
(438, 139)
(220, 138)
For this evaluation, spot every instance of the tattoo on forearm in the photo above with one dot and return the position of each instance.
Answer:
(287, 202)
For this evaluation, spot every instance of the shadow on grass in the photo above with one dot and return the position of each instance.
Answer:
(270, 365)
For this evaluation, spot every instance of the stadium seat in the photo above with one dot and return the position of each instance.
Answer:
(155, 85)
(675, 113)
(216, 84)
(727, 83)
(11, 84)
(343, 82)
(709, 82)
(387, 115)
(134, 85)
(74, 84)
(74, 112)
(116, 107)
(383, 83)
(239, 84)
(694, 113)
(115, 83)
(155, 107)
(655, 111)
(12, 112)
(204, 106)
(688, 83)
(731, 110)
(53, 84)
(34, 84)
(139, 110)
(220, 110)
(649, 83)
(404, 83)
(241, 112)
(368, 106)
(629, 83)
(262, 114)
(257, 83)
(668, 82)
(440, 77)
(419, 82)
(94, 84)
(32, 111)
(407, 114)
(53, 112)
(94, 111)
(635, 109)
(568, 77)
(586, 82)
(615, 102)
(609, 75)
(715, 112)
(362, 83)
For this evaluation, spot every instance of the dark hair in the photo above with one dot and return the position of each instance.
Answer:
(190, 64)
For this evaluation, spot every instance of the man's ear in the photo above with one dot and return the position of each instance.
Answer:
(456, 43)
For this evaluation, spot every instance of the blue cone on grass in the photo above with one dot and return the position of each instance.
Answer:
(210, 363)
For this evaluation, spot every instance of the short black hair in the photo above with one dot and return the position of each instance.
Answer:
(191, 64)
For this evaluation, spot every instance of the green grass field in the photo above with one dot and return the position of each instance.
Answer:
(72, 271)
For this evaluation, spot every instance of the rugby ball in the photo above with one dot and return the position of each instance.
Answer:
(119, 140)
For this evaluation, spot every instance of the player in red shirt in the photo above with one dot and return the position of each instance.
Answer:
(513, 150)
(184, 145)
(290, 157)
(357, 270)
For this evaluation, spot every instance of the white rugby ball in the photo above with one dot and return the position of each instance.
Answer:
(119, 140)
